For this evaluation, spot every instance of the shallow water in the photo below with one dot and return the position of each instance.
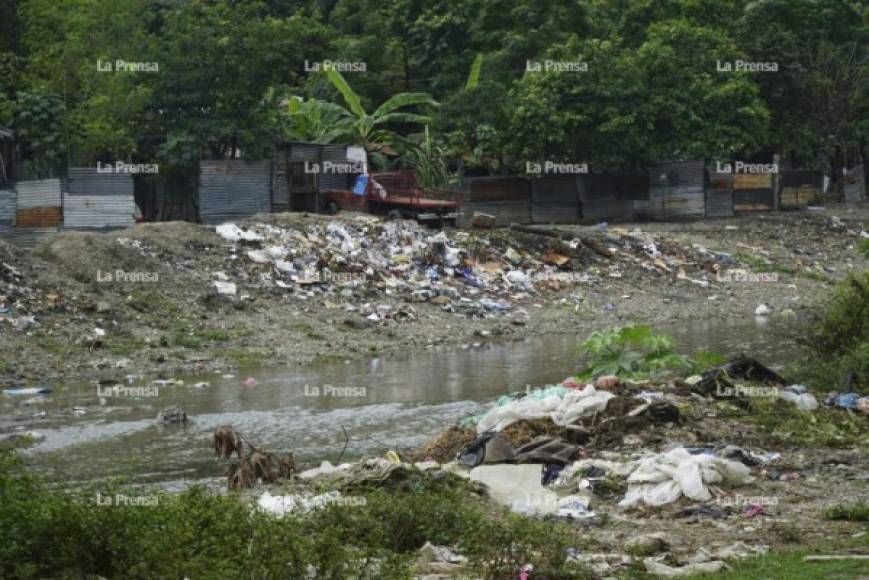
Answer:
(396, 402)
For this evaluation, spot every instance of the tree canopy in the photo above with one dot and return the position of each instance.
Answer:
(615, 83)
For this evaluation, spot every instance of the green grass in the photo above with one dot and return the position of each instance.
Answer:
(123, 345)
(781, 422)
(787, 565)
(307, 330)
(45, 533)
(759, 264)
(790, 565)
(243, 357)
(198, 337)
(852, 512)
(52, 344)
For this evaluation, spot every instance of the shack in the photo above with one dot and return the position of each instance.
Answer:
(305, 171)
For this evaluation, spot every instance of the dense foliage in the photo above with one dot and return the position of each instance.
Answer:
(202, 534)
(651, 88)
(839, 339)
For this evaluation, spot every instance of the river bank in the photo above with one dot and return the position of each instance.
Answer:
(148, 301)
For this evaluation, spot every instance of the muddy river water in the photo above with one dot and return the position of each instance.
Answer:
(395, 402)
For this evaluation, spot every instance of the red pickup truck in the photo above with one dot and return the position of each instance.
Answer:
(398, 195)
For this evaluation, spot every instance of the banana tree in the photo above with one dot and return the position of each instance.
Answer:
(315, 121)
(369, 129)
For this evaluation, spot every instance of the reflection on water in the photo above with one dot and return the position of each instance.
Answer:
(396, 402)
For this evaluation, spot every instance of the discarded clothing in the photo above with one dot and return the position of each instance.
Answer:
(281, 505)
(517, 487)
(548, 450)
(740, 368)
(664, 478)
(563, 406)
(27, 391)
(845, 401)
(489, 447)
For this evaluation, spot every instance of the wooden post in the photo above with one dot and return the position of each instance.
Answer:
(776, 182)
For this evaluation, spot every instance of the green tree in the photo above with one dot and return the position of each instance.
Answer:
(38, 128)
(371, 129)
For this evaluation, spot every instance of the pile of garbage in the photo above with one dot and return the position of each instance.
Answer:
(360, 258)
(19, 301)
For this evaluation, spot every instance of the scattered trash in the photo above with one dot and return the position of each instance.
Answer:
(439, 561)
(647, 544)
(845, 400)
(225, 288)
(762, 310)
(663, 478)
(797, 395)
(281, 505)
(489, 447)
(719, 380)
(606, 382)
(660, 569)
(172, 414)
(27, 391)
(517, 487)
(250, 382)
(564, 406)
(482, 220)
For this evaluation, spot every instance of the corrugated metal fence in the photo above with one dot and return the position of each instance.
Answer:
(555, 199)
(7, 211)
(98, 200)
(799, 188)
(719, 194)
(855, 185)
(233, 189)
(677, 190)
(507, 198)
(610, 196)
(38, 203)
(752, 192)
(7, 206)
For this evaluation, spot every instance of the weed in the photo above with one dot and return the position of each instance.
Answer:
(203, 534)
(758, 264)
(634, 352)
(783, 423)
(855, 512)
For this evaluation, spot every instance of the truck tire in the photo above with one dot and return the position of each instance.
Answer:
(395, 214)
(332, 207)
